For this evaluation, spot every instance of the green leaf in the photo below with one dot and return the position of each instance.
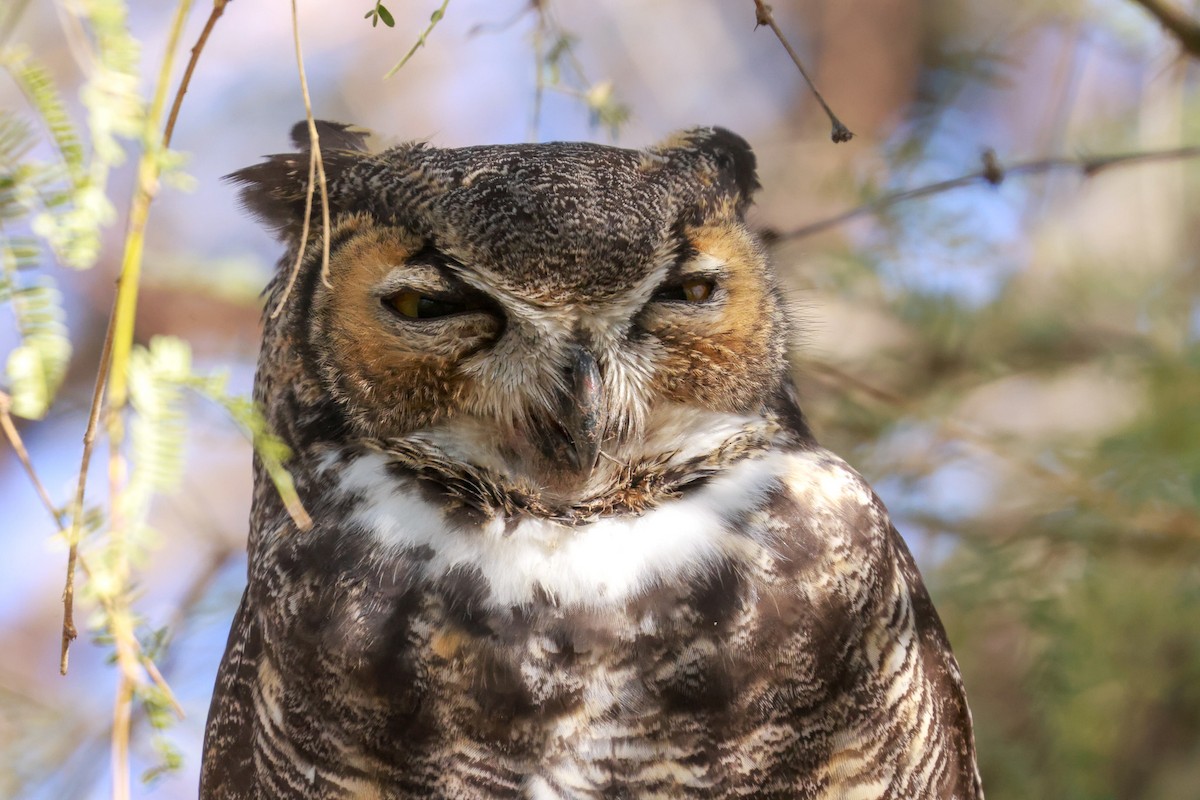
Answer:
(36, 367)
(157, 377)
(434, 19)
(39, 87)
(386, 16)
(28, 382)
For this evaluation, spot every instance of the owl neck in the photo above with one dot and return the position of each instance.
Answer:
(468, 466)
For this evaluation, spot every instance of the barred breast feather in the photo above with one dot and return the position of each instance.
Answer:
(764, 635)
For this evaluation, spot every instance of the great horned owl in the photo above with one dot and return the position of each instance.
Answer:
(572, 535)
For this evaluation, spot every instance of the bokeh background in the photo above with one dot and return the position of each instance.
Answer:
(1016, 368)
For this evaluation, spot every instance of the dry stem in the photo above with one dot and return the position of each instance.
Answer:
(69, 632)
(217, 10)
(994, 173)
(18, 446)
(763, 16)
(122, 716)
(316, 169)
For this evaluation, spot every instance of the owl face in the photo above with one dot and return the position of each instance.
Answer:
(552, 313)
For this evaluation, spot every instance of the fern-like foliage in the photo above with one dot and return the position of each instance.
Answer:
(39, 88)
(54, 204)
(35, 368)
(158, 376)
(62, 201)
(65, 198)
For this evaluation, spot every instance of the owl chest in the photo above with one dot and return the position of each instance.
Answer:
(529, 668)
(435, 647)
(422, 670)
(609, 655)
(569, 699)
(530, 615)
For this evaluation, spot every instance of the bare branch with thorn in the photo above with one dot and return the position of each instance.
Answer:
(763, 16)
(217, 10)
(992, 173)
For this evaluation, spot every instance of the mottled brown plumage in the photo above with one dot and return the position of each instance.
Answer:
(572, 537)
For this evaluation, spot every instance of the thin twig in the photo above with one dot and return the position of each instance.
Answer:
(14, 440)
(301, 248)
(1067, 81)
(182, 617)
(1179, 24)
(161, 682)
(139, 210)
(504, 24)
(118, 338)
(217, 10)
(763, 16)
(122, 717)
(559, 69)
(992, 173)
(434, 19)
(69, 632)
(316, 175)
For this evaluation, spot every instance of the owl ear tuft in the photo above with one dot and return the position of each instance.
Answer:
(333, 136)
(275, 190)
(724, 160)
(734, 158)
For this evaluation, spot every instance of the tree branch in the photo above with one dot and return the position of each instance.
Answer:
(75, 532)
(125, 300)
(1180, 25)
(18, 446)
(763, 16)
(993, 173)
(217, 10)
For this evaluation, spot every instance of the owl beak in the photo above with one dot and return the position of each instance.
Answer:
(583, 409)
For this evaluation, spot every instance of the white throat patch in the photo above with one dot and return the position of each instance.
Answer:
(600, 564)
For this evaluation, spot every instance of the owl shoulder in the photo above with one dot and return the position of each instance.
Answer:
(823, 502)
(832, 544)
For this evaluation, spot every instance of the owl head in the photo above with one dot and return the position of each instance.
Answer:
(554, 316)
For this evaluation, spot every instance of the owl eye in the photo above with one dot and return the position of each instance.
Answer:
(414, 305)
(689, 290)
